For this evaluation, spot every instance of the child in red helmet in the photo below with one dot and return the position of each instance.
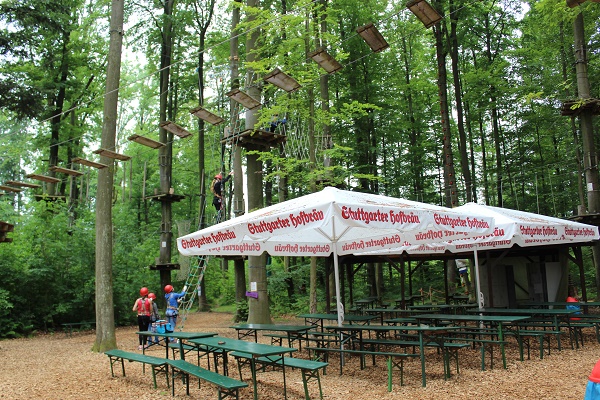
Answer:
(143, 307)
(155, 314)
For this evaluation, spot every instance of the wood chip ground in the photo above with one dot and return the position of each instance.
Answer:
(53, 366)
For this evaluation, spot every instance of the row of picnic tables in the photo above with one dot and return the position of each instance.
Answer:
(427, 327)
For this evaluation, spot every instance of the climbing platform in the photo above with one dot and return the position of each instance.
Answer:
(255, 138)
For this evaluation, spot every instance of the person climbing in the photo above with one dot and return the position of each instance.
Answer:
(275, 122)
(216, 187)
(173, 300)
(143, 307)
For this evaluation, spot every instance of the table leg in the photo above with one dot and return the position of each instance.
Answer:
(501, 338)
(421, 350)
(253, 368)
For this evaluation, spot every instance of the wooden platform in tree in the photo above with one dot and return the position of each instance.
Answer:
(171, 197)
(574, 107)
(164, 267)
(255, 138)
(5, 228)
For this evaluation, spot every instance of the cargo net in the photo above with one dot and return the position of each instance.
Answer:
(183, 228)
(297, 143)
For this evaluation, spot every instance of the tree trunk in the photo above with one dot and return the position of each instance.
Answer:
(105, 318)
(165, 153)
(258, 309)
(451, 195)
(462, 137)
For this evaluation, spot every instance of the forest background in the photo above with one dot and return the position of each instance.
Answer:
(508, 71)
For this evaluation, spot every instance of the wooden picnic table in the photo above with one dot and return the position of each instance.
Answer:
(318, 319)
(223, 345)
(293, 332)
(382, 312)
(180, 336)
(552, 315)
(499, 321)
(426, 335)
(369, 302)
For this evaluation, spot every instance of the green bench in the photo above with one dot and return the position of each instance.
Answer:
(309, 368)
(69, 326)
(159, 365)
(394, 360)
(201, 351)
(227, 387)
(575, 328)
(450, 349)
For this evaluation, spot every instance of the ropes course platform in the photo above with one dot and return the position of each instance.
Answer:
(255, 137)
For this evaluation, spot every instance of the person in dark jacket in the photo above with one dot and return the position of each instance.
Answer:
(217, 188)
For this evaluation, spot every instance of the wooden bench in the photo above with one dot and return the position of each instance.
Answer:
(69, 326)
(394, 360)
(309, 368)
(227, 387)
(575, 328)
(159, 365)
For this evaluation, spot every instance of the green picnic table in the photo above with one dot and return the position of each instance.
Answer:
(553, 315)
(293, 332)
(499, 321)
(223, 345)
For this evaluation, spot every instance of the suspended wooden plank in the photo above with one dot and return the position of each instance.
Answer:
(244, 99)
(206, 115)
(10, 189)
(175, 129)
(23, 184)
(146, 141)
(89, 163)
(43, 178)
(325, 61)
(282, 80)
(112, 154)
(67, 171)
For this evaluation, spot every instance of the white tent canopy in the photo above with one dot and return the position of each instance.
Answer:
(336, 222)
(512, 227)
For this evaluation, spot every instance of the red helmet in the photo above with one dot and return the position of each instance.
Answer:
(168, 289)
(152, 296)
(144, 291)
(219, 176)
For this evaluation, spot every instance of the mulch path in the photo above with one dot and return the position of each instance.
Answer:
(54, 366)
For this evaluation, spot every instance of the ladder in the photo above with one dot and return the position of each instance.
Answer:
(194, 284)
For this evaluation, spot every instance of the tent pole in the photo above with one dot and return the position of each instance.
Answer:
(478, 281)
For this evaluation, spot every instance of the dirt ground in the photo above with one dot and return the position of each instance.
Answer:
(59, 367)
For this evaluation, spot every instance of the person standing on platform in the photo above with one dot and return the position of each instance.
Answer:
(216, 187)
(173, 300)
(143, 307)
